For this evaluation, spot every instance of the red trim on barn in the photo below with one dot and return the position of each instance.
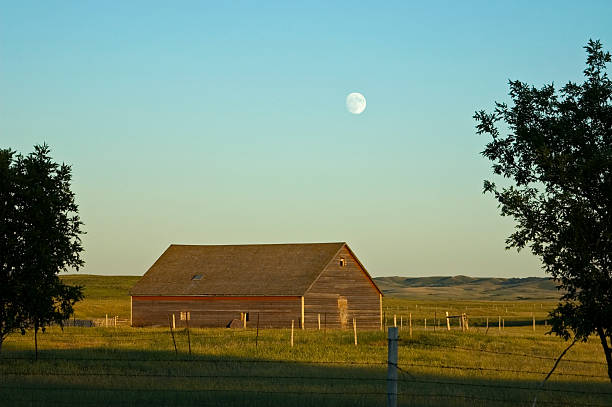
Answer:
(211, 298)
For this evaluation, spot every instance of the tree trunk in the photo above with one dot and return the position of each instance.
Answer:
(607, 350)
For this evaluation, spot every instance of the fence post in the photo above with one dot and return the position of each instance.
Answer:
(410, 324)
(401, 322)
(499, 323)
(447, 322)
(395, 320)
(392, 367)
(292, 333)
(106, 320)
(188, 334)
(319, 320)
(173, 322)
(257, 334)
(115, 321)
(355, 330)
(533, 317)
(172, 334)
(425, 324)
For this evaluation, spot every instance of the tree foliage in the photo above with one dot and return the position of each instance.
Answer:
(557, 161)
(39, 237)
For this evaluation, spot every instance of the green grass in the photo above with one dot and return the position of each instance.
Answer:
(103, 295)
(139, 366)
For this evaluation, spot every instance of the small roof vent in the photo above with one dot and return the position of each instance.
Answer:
(196, 277)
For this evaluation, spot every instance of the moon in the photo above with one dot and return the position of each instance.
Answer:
(355, 103)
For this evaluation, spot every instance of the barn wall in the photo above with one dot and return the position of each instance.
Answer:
(213, 312)
(350, 282)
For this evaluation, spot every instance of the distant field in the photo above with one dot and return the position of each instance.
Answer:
(103, 295)
(235, 367)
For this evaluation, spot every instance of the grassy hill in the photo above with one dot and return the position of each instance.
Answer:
(469, 288)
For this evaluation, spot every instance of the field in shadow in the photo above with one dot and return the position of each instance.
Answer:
(102, 376)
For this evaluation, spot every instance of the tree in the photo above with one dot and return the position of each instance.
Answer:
(39, 237)
(556, 159)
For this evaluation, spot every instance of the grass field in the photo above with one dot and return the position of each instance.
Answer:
(103, 295)
(128, 366)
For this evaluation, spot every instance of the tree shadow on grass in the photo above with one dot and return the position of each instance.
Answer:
(109, 376)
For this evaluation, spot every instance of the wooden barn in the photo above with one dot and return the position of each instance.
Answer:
(219, 285)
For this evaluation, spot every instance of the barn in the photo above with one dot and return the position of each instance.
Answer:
(266, 284)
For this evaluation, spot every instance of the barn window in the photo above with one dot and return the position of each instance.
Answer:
(185, 316)
(197, 277)
(342, 262)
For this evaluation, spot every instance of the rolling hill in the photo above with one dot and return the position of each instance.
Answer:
(469, 288)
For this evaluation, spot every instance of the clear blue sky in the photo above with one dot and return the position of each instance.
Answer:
(200, 123)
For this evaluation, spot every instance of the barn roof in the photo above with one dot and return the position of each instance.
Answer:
(237, 270)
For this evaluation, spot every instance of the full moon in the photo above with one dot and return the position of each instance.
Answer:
(355, 103)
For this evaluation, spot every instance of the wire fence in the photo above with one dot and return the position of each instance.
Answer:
(201, 380)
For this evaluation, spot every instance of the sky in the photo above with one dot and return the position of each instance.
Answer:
(225, 122)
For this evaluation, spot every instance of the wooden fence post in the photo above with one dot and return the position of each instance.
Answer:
(173, 322)
(188, 335)
(499, 323)
(503, 324)
(319, 320)
(292, 333)
(172, 334)
(115, 321)
(392, 367)
(425, 324)
(395, 320)
(533, 317)
(244, 321)
(487, 323)
(401, 322)
(302, 322)
(355, 330)
(257, 334)
(106, 320)
(447, 322)
(410, 324)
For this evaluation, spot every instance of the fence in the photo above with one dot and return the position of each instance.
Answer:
(182, 379)
(462, 321)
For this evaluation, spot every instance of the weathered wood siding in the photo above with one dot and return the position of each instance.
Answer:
(274, 312)
(339, 282)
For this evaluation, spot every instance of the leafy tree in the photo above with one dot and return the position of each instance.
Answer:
(556, 159)
(39, 237)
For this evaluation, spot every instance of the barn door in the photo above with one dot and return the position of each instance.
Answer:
(343, 311)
